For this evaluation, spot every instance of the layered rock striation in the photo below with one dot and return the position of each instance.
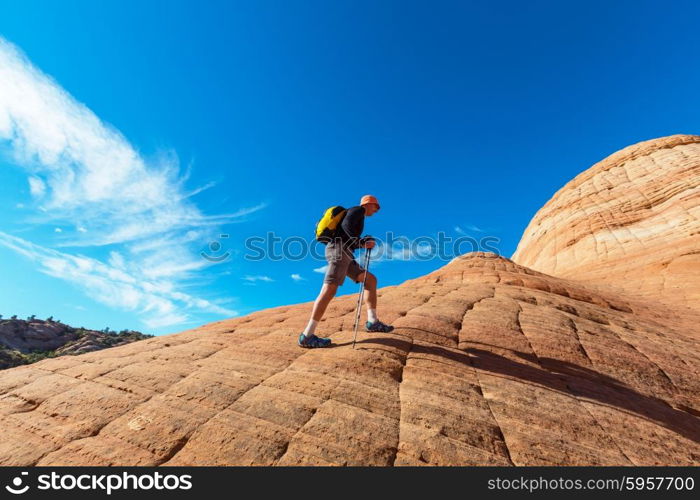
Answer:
(631, 221)
(490, 363)
(582, 350)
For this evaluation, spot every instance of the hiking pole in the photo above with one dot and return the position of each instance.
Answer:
(359, 298)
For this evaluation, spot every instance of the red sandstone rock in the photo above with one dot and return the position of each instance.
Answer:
(631, 220)
(490, 363)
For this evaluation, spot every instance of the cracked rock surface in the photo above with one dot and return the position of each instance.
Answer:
(491, 363)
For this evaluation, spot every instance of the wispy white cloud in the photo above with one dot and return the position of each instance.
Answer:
(401, 250)
(113, 285)
(424, 249)
(83, 170)
(253, 279)
(466, 228)
(297, 277)
(321, 269)
(36, 187)
(83, 173)
(398, 251)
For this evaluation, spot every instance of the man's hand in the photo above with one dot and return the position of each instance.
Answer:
(367, 242)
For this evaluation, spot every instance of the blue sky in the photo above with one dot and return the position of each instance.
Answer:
(132, 134)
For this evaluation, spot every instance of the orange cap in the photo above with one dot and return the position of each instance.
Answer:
(367, 199)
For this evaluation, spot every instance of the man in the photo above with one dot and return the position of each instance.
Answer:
(341, 263)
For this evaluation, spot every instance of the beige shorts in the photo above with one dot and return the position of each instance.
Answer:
(341, 263)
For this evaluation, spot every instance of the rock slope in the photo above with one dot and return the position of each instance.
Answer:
(632, 220)
(490, 363)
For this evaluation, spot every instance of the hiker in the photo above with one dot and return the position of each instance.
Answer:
(341, 262)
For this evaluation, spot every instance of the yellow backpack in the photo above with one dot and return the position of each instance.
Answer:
(328, 225)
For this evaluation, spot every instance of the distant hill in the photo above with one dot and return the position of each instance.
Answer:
(27, 341)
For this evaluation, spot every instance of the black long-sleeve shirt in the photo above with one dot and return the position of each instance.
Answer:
(351, 227)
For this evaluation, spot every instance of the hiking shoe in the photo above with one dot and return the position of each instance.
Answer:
(313, 341)
(378, 326)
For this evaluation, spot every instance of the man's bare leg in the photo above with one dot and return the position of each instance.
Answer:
(324, 298)
(370, 295)
(371, 302)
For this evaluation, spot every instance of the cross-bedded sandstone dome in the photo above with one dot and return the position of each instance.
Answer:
(631, 220)
(491, 362)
